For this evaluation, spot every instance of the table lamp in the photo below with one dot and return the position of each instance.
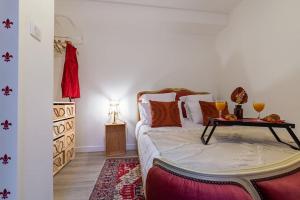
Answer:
(114, 111)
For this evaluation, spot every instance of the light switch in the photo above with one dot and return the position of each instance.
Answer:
(35, 32)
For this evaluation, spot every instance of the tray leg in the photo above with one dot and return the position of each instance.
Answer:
(210, 134)
(274, 134)
(203, 134)
(292, 134)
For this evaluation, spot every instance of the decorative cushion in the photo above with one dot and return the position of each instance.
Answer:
(209, 110)
(165, 114)
(162, 185)
(281, 188)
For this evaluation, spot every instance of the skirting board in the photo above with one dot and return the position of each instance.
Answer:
(100, 148)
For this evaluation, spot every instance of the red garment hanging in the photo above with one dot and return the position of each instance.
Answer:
(70, 81)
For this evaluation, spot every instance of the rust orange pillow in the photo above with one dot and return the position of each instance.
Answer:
(165, 114)
(209, 110)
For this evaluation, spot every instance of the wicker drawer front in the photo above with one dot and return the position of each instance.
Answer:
(70, 140)
(70, 154)
(63, 134)
(59, 128)
(70, 125)
(58, 163)
(58, 146)
(70, 111)
(59, 112)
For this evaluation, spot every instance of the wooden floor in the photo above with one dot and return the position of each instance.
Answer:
(76, 180)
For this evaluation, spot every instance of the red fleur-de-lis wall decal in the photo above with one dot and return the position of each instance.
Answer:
(5, 159)
(5, 194)
(6, 124)
(7, 23)
(6, 90)
(7, 57)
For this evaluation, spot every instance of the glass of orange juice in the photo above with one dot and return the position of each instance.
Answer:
(220, 105)
(258, 107)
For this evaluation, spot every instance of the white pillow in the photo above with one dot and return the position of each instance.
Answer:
(199, 97)
(145, 113)
(180, 113)
(194, 111)
(164, 97)
(146, 117)
(191, 99)
(183, 99)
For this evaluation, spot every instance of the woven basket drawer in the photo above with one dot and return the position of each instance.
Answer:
(70, 154)
(58, 163)
(59, 128)
(59, 112)
(70, 125)
(58, 146)
(70, 140)
(70, 111)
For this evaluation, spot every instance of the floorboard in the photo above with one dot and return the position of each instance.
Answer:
(76, 180)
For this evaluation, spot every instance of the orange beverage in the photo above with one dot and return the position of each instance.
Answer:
(220, 105)
(258, 106)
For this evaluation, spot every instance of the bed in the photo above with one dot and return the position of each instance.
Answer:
(240, 163)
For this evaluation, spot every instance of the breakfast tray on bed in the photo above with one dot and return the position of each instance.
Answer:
(214, 122)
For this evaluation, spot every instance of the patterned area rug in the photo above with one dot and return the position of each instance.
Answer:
(120, 179)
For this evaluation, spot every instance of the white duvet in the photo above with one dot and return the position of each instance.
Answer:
(229, 148)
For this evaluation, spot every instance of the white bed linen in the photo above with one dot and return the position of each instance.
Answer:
(157, 142)
(147, 150)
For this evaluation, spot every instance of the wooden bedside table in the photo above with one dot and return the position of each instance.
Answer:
(115, 136)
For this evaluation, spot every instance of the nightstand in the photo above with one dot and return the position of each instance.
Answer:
(115, 136)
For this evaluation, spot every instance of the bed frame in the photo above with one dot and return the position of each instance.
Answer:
(167, 181)
(179, 92)
(279, 175)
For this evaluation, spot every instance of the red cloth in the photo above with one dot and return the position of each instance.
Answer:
(70, 81)
(162, 185)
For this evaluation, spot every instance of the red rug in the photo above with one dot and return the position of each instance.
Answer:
(120, 179)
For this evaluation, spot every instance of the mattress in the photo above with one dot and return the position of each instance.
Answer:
(231, 148)
(147, 150)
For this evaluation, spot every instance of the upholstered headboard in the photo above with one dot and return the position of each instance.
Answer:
(179, 92)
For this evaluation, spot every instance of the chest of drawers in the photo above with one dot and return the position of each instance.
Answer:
(63, 134)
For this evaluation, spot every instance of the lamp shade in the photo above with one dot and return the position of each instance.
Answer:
(114, 110)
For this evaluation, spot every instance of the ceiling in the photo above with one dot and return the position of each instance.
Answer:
(215, 6)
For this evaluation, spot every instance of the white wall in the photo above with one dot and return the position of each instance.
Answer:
(128, 49)
(35, 101)
(259, 50)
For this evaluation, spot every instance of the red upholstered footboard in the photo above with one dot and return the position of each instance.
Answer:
(281, 187)
(162, 185)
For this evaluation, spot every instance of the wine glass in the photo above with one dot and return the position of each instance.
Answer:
(258, 107)
(220, 105)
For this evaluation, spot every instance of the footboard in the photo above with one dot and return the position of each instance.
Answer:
(166, 181)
